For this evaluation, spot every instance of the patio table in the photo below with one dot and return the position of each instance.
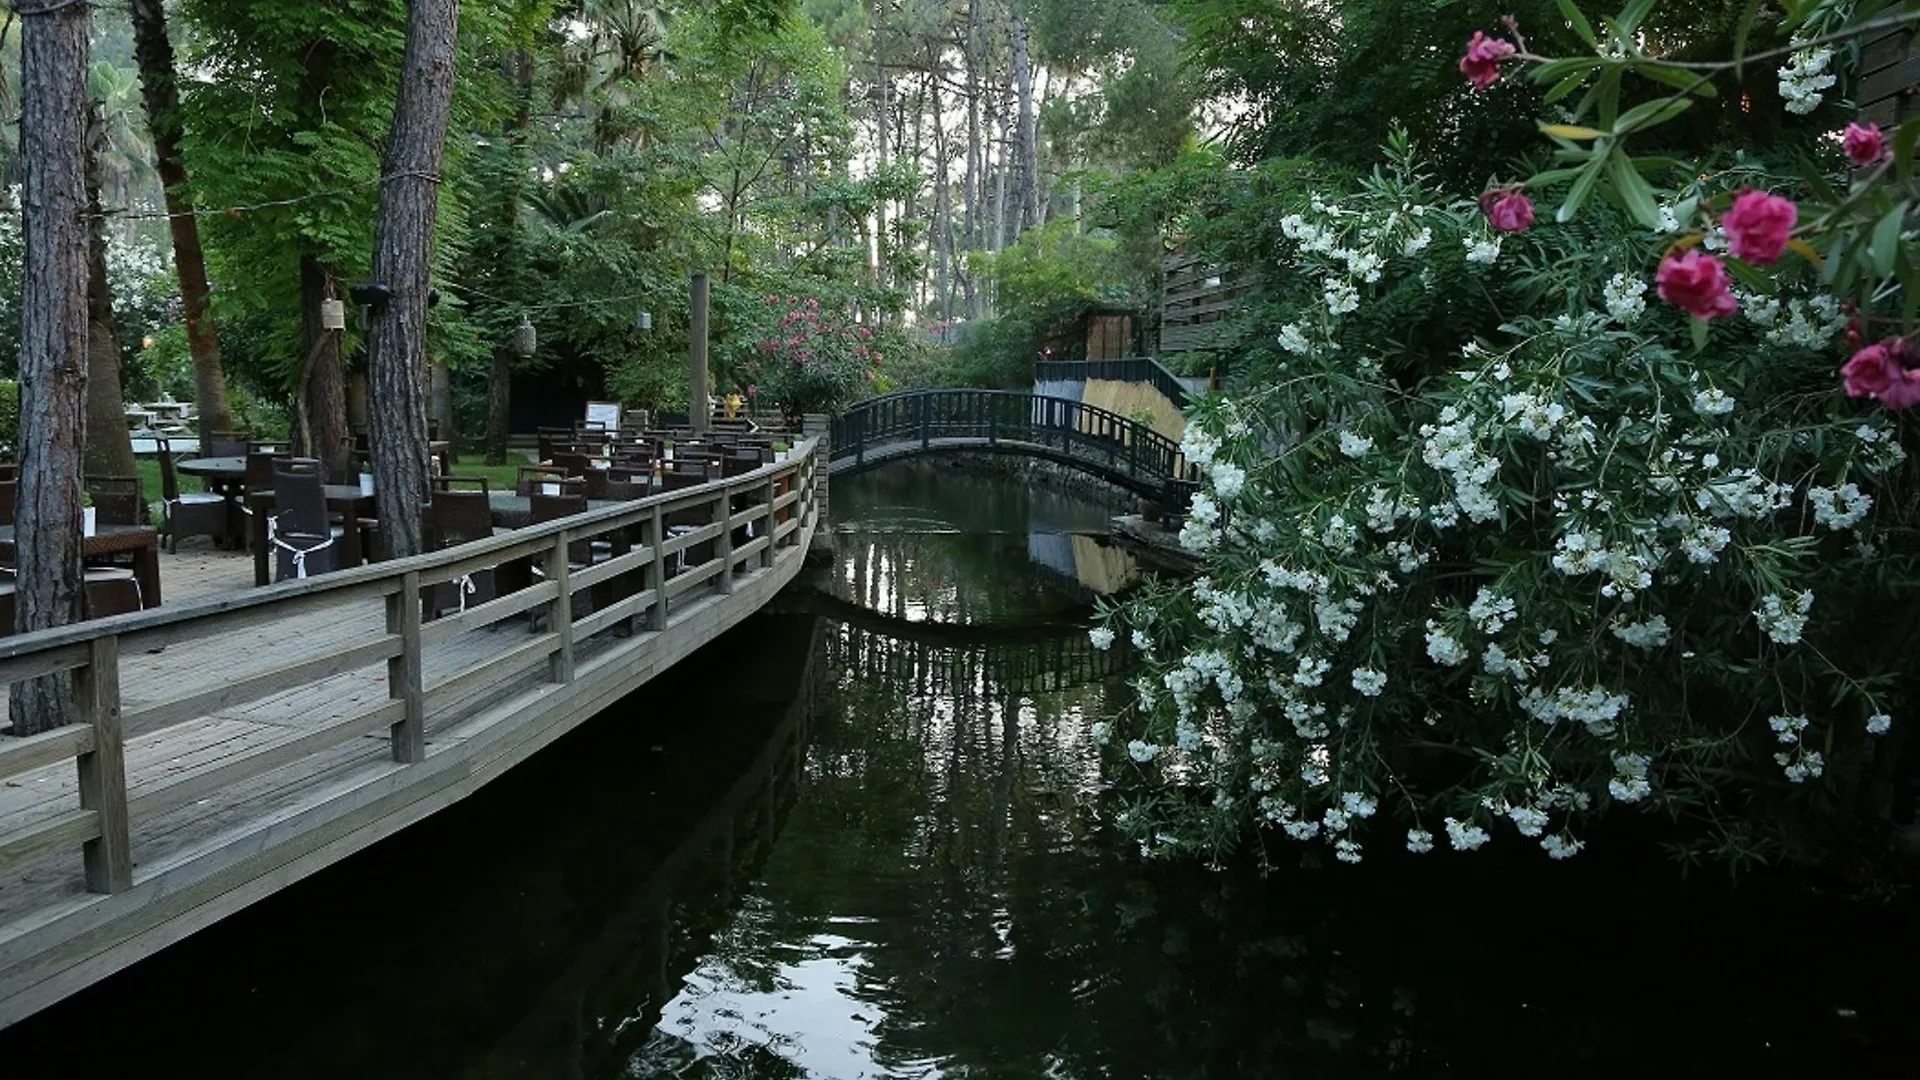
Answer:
(139, 541)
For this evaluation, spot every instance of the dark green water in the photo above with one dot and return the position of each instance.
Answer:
(861, 846)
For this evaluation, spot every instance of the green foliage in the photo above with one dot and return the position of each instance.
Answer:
(9, 416)
(1487, 546)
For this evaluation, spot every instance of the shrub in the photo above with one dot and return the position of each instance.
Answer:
(1520, 570)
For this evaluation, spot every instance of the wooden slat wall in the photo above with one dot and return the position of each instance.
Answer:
(1193, 311)
(1889, 72)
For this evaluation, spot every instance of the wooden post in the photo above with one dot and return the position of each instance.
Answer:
(406, 679)
(560, 612)
(697, 391)
(770, 525)
(724, 548)
(657, 618)
(103, 772)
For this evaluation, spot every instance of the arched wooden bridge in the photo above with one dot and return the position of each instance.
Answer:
(1123, 452)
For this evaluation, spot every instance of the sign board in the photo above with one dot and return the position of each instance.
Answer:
(604, 413)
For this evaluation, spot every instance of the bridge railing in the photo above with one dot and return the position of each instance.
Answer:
(1077, 430)
(653, 562)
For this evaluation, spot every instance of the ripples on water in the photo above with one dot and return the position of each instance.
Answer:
(865, 847)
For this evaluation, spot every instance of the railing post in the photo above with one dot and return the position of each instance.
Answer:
(103, 771)
(657, 617)
(770, 525)
(860, 435)
(724, 548)
(560, 612)
(926, 432)
(406, 680)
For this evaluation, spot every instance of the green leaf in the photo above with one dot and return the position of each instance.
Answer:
(1566, 86)
(1560, 69)
(1909, 294)
(1633, 189)
(1903, 143)
(1581, 191)
(1753, 279)
(1650, 113)
(1742, 32)
(1609, 93)
(1884, 247)
(1579, 23)
(1635, 14)
(1699, 329)
(1680, 78)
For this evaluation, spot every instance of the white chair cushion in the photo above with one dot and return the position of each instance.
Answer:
(200, 498)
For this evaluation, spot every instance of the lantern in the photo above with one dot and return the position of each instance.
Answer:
(525, 338)
(333, 315)
(643, 321)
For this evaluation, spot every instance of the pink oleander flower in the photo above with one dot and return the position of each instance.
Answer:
(1481, 65)
(1696, 282)
(1758, 226)
(1864, 144)
(1508, 211)
(1882, 371)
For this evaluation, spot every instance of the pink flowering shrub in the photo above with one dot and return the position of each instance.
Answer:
(807, 357)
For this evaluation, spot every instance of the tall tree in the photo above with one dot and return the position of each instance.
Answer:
(403, 263)
(109, 447)
(53, 341)
(1027, 157)
(153, 50)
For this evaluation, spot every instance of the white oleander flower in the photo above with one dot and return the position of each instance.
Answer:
(1355, 445)
(1419, 841)
(1466, 837)
(1142, 751)
(1368, 682)
(1101, 637)
(1483, 252)
(1293, 340)
(1879, 724)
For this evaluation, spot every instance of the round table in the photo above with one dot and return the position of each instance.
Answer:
(223, 469)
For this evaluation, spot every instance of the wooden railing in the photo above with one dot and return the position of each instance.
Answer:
(749, 518)
(1121, 451)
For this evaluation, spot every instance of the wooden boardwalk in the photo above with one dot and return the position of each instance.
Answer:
(240, 741)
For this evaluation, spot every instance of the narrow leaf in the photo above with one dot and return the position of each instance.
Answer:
(1699, 329)
(1566, 86)
(1649, 113)
(1808, 252)
(1634, 15)
(1742, 33)
(1884, 247)
(1571, 131)
(1579, 23)
(1903, 143)
(1581, 191)
(1610, 98)
(1679, 78)
(1633, 190)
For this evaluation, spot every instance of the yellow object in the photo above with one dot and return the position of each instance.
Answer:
(734, 401)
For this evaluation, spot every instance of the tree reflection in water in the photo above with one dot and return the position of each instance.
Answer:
(867, 846)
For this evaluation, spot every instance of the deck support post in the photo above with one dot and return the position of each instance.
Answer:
(406, 679)
(770, 525)
(560, 614)
(103, 771)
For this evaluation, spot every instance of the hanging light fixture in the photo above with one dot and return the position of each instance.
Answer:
(525, 338)
(643, 321)
(333, 314)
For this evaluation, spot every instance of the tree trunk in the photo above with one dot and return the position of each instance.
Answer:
(403, 262)
(974, 194)
(1027, 164)
(942, 211)
(500, 379)
(108, 449)
(499, 406)
(320, 396)
(882, 118)
(53, 345)
(160, 90)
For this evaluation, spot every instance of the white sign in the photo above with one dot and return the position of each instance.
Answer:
(604, 413)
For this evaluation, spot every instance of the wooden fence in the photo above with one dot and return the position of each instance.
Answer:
(664, 582)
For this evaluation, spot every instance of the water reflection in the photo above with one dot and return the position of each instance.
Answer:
(864, 846)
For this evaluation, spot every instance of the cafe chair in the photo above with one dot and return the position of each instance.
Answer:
(579, 553)
(116, 499)
(454, 518)
(305, 541)
(188, 513)
(227, 443)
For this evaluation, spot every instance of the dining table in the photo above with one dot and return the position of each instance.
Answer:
(346, 500)
(139, 541)
(512, 511)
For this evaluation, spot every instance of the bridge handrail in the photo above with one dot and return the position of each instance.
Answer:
(1133, 369)
(1130, 449)
(783, 494)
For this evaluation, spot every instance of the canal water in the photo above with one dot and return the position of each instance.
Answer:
(856, 838)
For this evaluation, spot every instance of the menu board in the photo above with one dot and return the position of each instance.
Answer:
(604, 413)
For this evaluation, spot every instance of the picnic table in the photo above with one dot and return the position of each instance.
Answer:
(139, 541)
